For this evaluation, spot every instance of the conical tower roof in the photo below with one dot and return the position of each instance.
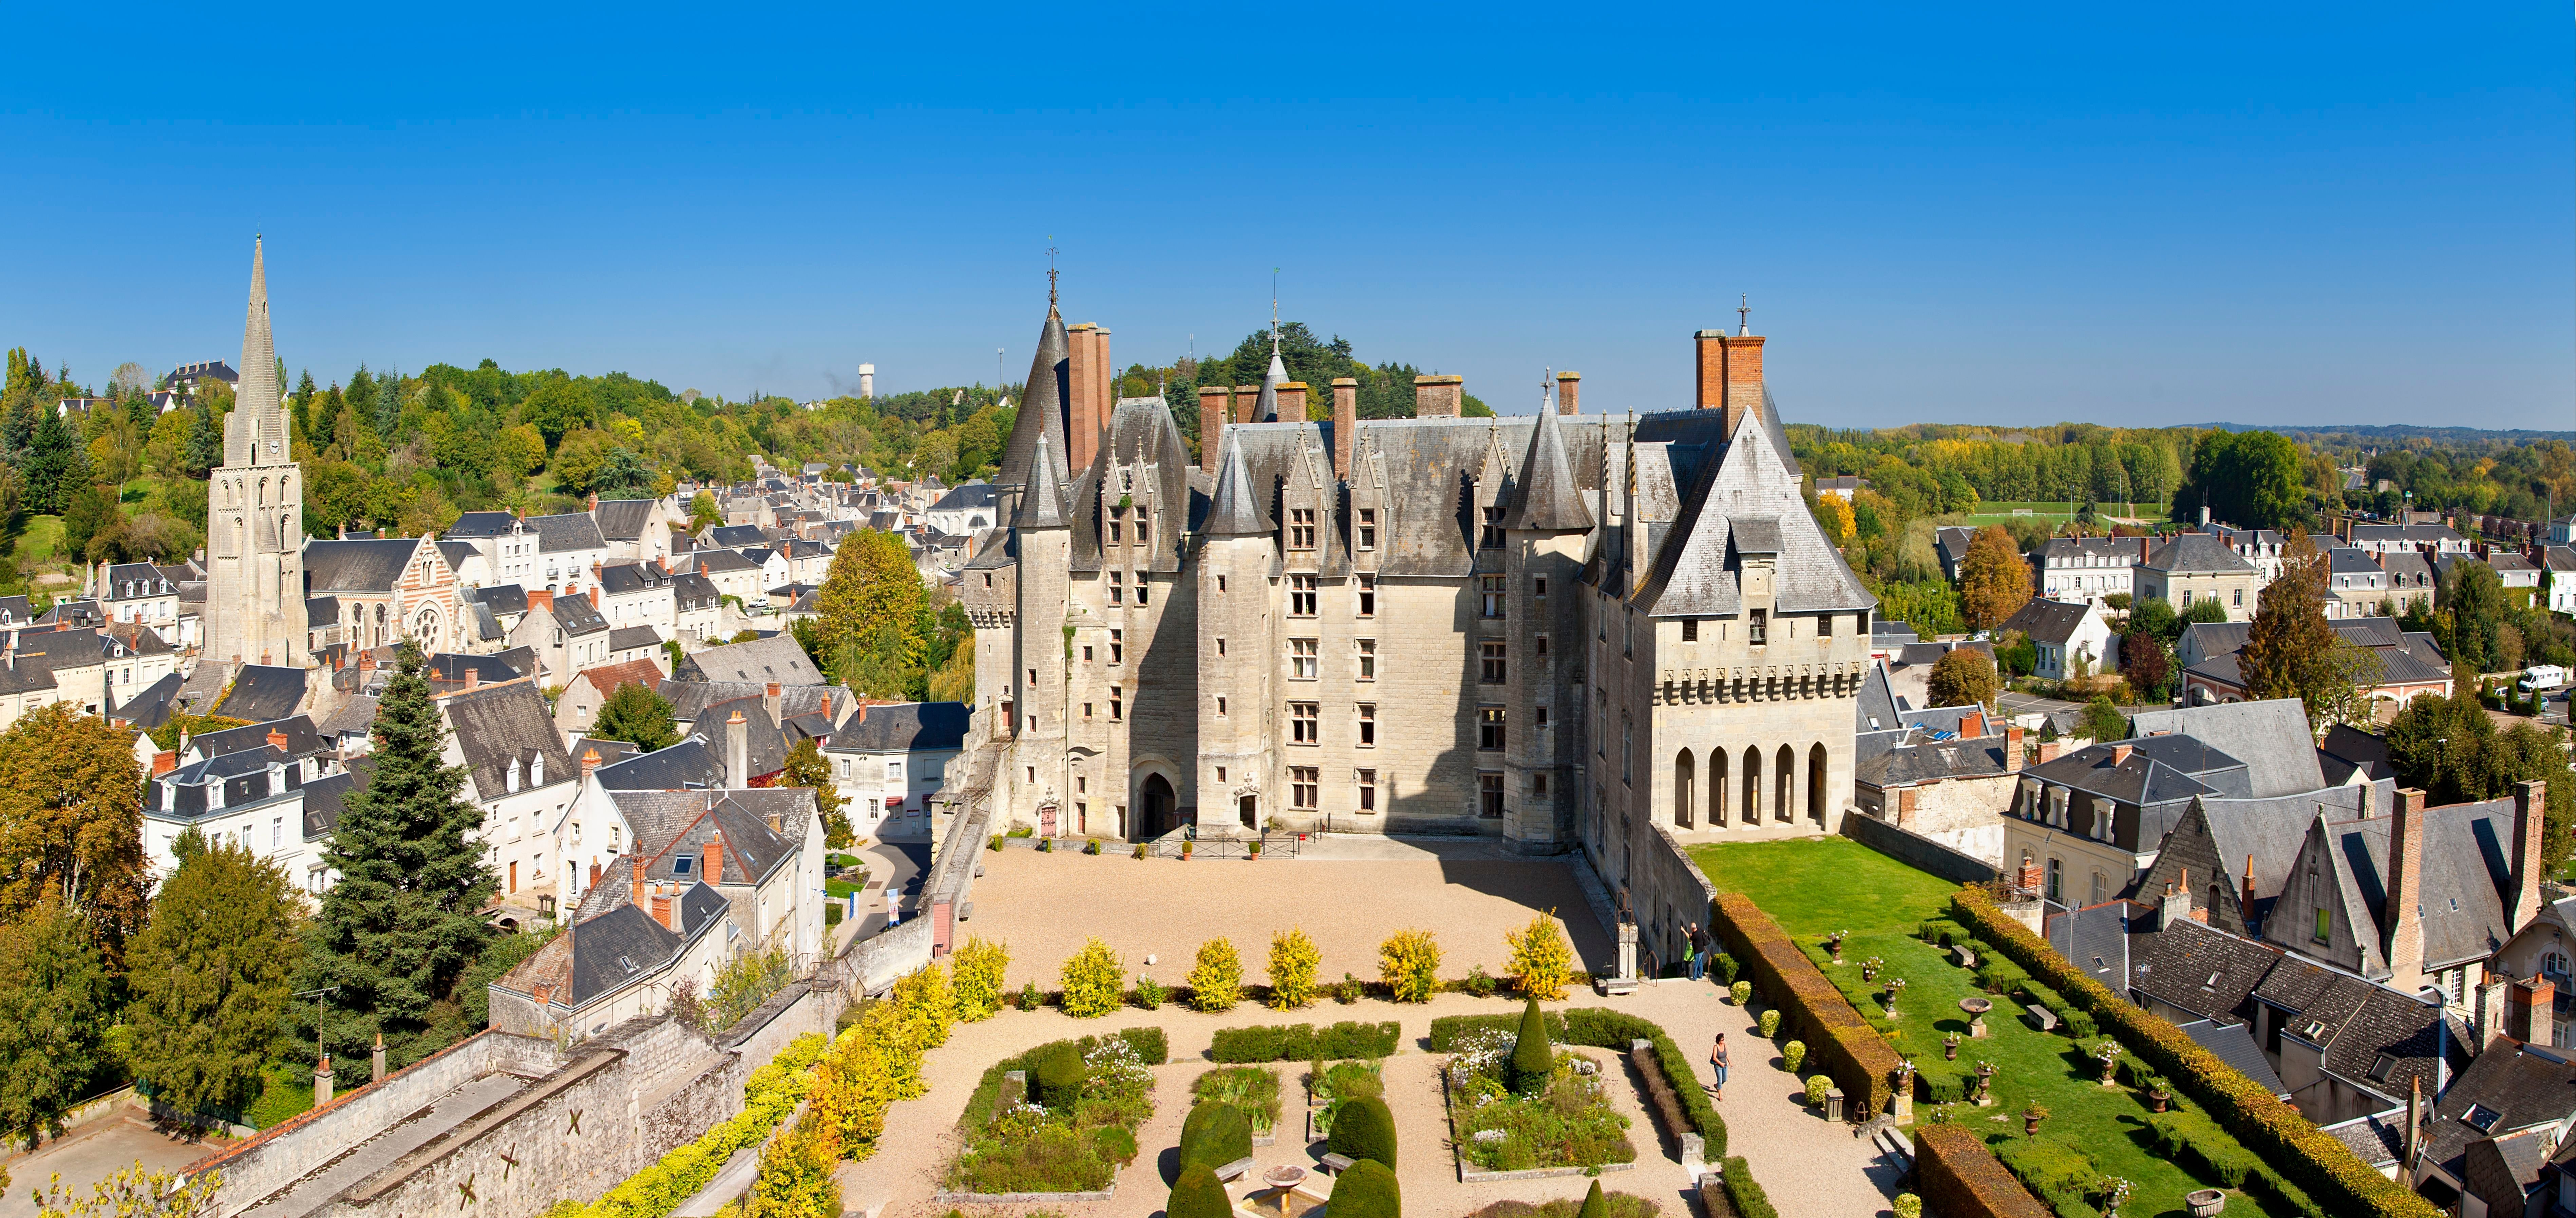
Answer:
(258, 389)
(1042, 496)
(1235, 508)
(1545, 497)
(1044, 410)
(1265, 409)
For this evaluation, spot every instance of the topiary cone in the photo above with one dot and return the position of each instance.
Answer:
(1594, 1204)
(1367, 1190)
(1197, 1194)
(1364, 1129)
(1531, 1060)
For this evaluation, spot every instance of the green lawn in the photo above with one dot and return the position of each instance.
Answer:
(37, 542)
(1818, 886)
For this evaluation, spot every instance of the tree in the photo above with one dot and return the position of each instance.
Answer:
(1963, 676)
(2155, 617)
(637, 716)
(2104, 722)
(872, 598)
(2473, 597)
(2351, 672)
(622, 476)
(57, 465)
(1532, 1061)
(54, 1014)
(977, 973)
(400, 924)
(2249, 479)
(93, 511)
(806, 767)
(205, 442)
(1995, 582)
(2144, 663)
(2206, 610)
(71, 822)
(1293, 959)
(955, 680)
(209, 978)
(2287, 648)
(132, 1192)
(1198, 1194)
(1594, 1204)
(703, 512)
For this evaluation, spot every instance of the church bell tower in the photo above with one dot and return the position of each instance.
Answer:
(255, 512)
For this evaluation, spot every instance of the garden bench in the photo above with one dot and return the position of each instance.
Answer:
(1960, 954)
(1337, 1164)
(1234, 1171)
(2041, 1017)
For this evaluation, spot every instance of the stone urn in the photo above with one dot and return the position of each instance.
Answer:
(1869, 969)
(1834, 945)
(1977, 1007)
(2030, 1119)
(2205, 1203)
(2110, 1059)
(1895, 987)
(2158, 1099)
(1985, 1083)
(1950, 1047)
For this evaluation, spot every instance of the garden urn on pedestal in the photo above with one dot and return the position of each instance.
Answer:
(1976, 1009)
(1834, 944)
(2109, 1056)
(2030, 1119)
(1950, 1047)
(1985, 1084)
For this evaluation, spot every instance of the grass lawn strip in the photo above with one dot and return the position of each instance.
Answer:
(1814, 888)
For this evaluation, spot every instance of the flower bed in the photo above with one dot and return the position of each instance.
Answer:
(1339, 1081)
(1070, 1132)
(1860, 1061)
(1959, 1177)
(1621, 1205)
(1603, 1028)
(2312, 1159)
(1568, 1124)
(1250, 1090)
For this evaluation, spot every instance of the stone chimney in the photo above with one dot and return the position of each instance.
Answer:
(322, 1082)
(1247, 403)
(737, 751)
(2530, 805)
(1212, 420)
(1346, 424)
(769, 702)
(635, 882)
(1292, 401)
(2012, 748)
(1569, 391)
(473, 678)
(378, 1062)
(713, 872)
(1438, 397)
(2405, 917)
(2176, 902)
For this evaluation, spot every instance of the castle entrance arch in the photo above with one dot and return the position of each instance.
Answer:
(1157, 808)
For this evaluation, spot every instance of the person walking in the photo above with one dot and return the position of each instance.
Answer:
(1717, 1062)
(1690, 949)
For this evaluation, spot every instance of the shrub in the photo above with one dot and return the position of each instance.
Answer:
(1293, 958)
(1532, 1062)
(1090, 978)
(1116, 1143)
(1541, 961)
(1725, 967)
(2055, 1172)
(1604, 1028)
(1216, 984)
(978, 978)
(2315, 1161)
(1214, 1135)
(994, 844)
(1046, 845)
(1740, 991)
(1997, 975)
(1150, 993)
(1770, 1023)
(1793, 1054)
(1838, 1039)
(1409, 963)
(1367, 1190)
(1091, 846)
(1138, 852)
(1364, 1129)
(1055, 1076)
(1961, 1179)
(1198, 1194)
(1908, 1206)
(1746, 1195)
(1301, 1042)
(1594, 1204)
(1149, 1043)
(1478, 982)
(1348, 990)
(1251, 1090)
(1817, 1086)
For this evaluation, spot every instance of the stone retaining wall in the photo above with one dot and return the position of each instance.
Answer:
(1917, 851)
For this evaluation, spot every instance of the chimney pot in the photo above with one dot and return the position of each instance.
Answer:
(277, 740)
(589, 760)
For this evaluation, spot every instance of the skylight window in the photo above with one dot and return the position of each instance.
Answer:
(2313, 1029)
(2382, 1068)
(627, 963)
(2481, 1118)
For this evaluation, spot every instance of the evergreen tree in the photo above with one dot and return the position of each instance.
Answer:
(56, 465)
(1532, 1060)
(388, 405)
(806, 767)
(637, 716)
(2473, 597)
(209, 979)
(54, 1014)
(205, 442)
(400, 924)
(19, 429)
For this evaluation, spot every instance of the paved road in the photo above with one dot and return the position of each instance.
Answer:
(893, 867)
(2028, 704)
(97, 1150)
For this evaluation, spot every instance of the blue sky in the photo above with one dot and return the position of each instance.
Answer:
(2262, 214)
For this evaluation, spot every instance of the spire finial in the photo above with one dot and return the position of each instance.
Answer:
(1743, 314)
(1274, 310)
(1545, 375)
(1050, 272)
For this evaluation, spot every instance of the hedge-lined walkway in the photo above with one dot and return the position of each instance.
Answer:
(1807, 1164)
(1796, 883)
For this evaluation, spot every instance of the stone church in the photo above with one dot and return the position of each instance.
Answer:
(255, 512)
(1556, 630)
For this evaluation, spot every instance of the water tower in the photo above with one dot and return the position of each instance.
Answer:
(867, 380)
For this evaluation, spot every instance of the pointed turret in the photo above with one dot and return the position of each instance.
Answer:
(259, 388)
(1265, 409)
(1042, 496)
(1043, 407)
(1235, 508)
(1545, 497)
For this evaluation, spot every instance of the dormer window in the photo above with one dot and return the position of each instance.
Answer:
(510, 778)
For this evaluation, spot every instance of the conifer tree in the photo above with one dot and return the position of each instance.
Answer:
(209, 979)
(205, 442)
(56, 464)
(400, 924)
(54, 1015)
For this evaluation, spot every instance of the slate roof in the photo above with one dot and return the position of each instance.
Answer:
(151, 708)
(2096, 939)
(692, 764)
(356, 717)
(736, 536)
(2068, 552)
(2347, 748)
(319, 610)
(507, 600)
(263, 692)
(2467, 877)
(1043, 501)
(903, 727)
(2376, 1139)
(496, 727)
(1235, 507)
(577, 617)
(481, 525)
(324, 797)
(2525, 1085)
(2197, 552)
(966, 498)
(720, 561)
(630, 577)
(1045, 409)
(625, 638)
(2270, 736)
(371, 567)
(2233, 1043)
(691, 699)
(2048, 621)
(776, 658)
(2271, 831)
(302, 738)
(567, 532)
(2351, 560)
(1875, 709)
(672, 825)
(694, 590)
(2193, 966)
(623, 519)
(1745, 499)
(1544, 494)
(456, 552)
(2158, 770)
(1908, 763)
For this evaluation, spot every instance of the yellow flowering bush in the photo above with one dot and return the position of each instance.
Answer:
(1293, 960)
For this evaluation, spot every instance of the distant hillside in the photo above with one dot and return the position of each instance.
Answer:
(2383, 433)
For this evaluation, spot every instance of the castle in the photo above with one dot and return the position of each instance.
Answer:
(1558, 630)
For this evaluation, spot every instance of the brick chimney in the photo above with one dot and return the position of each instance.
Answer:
(1972, 725)
(589, 761)
(2245, 896)
(662, 908)
(594, 876)
(1212, 421)
(164, 762)
(1437, 397)
(541, 599)
(2012, 748)
(1082, 368)
(826, 706)
(774, 825)
(1346, 423)
(713, 872)
(2120, 752)
(277, 740)
(2047, 751)
(1730, 374)
(367, 661)
(1247, 401)
(594, 596)
(2530, 804)
(737, 751)
(1569, 391)
(1292, 401)
(635, 882)
(2405, 916)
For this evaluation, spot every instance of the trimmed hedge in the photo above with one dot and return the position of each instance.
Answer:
(1959, 1178)
(1055, 1079)
(1842, 1042)
(2313, 1160)
(2204, 1149)
(1942, 931)
(2072, 1021)
(1214, 1135)
(1532, 1060)
(1199, 1194)
(1363, 1128)
(1448, 1030)
(2055, 1172)
(1301, 1042)
(1744, 1193)
(1367, 1190)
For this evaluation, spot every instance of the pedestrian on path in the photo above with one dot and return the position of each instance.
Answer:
(1690, 949)
(1717, 1062)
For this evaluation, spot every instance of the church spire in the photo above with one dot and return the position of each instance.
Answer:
(1045, 403)
(259, 393)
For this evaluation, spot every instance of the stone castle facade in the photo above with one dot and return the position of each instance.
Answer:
(255, 513)
(1559, 630)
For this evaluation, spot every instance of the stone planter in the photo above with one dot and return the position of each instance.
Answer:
(2205, 1203)
(2030, 1124)
(2158, 1101)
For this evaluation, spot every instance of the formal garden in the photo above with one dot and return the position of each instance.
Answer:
(1060, 1118)
(1518, 1102)
(1880, 931)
